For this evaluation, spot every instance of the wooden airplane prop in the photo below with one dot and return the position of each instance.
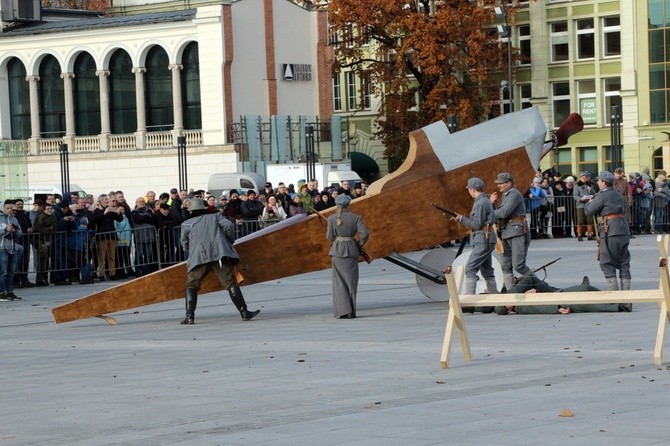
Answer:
(397, 210)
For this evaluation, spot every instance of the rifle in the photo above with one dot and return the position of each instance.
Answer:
(361, 252)
(546, 265)
(445, 211)
(499, 245)
(595, 228)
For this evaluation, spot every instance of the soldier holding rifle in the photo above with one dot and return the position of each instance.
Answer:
(483, 238)
(614, 232)
(511, 215)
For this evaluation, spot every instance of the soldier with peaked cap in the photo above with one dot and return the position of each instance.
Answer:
(614, 232)
(511, 216)
(208, 238)
(342, 227)
(482, 239)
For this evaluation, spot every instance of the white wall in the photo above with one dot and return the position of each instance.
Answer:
(294, 42)
(145, 170)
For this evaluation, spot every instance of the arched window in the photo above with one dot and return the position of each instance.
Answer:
(190, 87)
(657, 160)
(122, 103)
(86, 96)
(19, 100)
(158, 91)
(52, 99)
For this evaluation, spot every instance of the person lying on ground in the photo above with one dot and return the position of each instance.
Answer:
(532, 284)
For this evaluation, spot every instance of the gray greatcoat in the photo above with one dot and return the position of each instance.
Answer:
(614, 253)
(514, 234)
(208, 238)
(483, 238)
(344, 253)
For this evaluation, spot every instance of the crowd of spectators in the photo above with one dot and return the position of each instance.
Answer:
(75, 239)
(554, 202)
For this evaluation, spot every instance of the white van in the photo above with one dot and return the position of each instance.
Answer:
(222, 183)
(335, 178)
(42, 190)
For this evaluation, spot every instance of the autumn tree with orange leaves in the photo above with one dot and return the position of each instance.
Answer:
(92, 5)
(427, 59)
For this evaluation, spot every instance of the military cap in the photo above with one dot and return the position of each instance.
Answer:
(196, 205)
(585, 174)
(607, 177)
(475, 183)
(504, 177)
(343, 200)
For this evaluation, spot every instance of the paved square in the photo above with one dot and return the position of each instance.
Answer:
(296, 376)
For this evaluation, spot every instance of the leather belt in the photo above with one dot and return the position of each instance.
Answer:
(520, 218)
(611, 216)
(343, 239)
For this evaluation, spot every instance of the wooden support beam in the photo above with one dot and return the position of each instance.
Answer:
(456, 301)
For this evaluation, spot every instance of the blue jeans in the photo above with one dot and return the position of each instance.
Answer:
(8, 264)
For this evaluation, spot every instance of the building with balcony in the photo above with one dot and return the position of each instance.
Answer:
(239, 80)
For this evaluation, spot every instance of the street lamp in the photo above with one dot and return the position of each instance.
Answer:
(505, 31)
(64, 168)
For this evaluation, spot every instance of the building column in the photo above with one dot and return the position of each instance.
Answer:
(141, 107)
(34, 113)
(103, 81)
(68, 89)
(177, 106)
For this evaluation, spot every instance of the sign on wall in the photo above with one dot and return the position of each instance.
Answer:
(296, 72)
(587, 108)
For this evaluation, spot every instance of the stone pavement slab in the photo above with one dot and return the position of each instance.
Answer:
(296, 376)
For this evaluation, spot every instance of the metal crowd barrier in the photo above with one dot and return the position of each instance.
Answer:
(73, 255)
(557, 217)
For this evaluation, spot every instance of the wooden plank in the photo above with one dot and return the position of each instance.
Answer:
(582, 297)
(454, 320)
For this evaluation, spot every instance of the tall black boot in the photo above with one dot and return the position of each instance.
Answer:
(238, 301)
(191, 303)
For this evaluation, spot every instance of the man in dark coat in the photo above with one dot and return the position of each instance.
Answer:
(252, 210)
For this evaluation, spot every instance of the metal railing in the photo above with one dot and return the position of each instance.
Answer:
(81, 255)
(557, 217)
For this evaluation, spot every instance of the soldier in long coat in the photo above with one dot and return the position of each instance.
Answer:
(342, 227)
(511, 216)
(208, 239)
(614, 232)
(483, 238)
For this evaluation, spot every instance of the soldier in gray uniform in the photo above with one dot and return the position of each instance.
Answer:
(342, 226)
(482, 239)
(208, 238)
(614, 232)
(511, 216)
